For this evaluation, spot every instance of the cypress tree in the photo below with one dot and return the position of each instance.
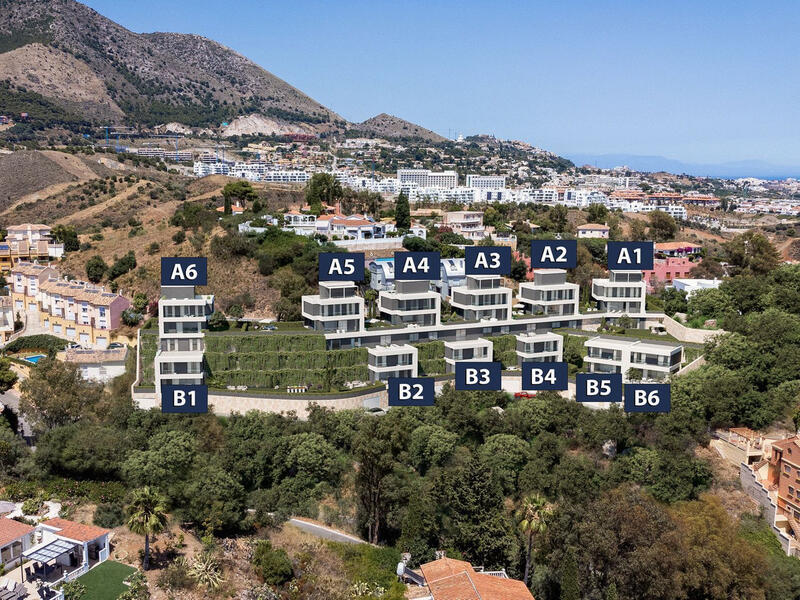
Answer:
(569, 577)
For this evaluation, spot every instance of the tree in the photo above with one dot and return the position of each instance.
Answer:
(217, 321)
(638, 230)
(323, 188)
(597, 213)
(67, 236)
(179, 236)
(12, 449)
(558, 217)
(7, 377)
(147, 516)
(662, 226)
(96, 269)
(570, 589)
(611, 592)
(55, 394)
(402, 212)
(122, 265)
(753, 252)
(519, 270)
(371, 295)
(140, 302)
(241, 191)
(534, 516)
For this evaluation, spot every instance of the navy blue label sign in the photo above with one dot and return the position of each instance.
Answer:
(487, 260)
(410, 266)
(184, 398)
(184, 271)
(598, 387)
(630, 256)
(647, 397)
(479, 375)
(411, 391)
(341, 266)
(554, 254)
(544, 376)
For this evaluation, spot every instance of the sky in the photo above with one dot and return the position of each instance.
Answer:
(700, 81)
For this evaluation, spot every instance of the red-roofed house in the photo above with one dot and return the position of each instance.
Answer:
(15, 538)
(677, 248)
(450, 579)
(66, 549)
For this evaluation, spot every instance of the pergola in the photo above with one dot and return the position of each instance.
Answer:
(47, 552)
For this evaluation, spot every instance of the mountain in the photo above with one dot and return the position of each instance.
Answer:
(389, 126)
(65, 55)
(652, 164)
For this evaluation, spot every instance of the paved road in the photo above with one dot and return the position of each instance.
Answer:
(326, 533)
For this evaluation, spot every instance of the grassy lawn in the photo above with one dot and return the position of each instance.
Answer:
(104, 582)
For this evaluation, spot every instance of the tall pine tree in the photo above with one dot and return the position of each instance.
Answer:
(402, 212)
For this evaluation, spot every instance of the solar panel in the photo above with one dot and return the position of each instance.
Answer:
(49, 551)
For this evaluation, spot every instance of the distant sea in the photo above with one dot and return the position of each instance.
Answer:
(727, 170)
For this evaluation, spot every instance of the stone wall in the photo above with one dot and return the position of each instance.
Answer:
(758, 492)
(687, 334)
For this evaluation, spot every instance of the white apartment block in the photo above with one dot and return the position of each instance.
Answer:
(182, 321)
(486, 182)
(622, 292)
(611, 354)
(483, 297)
(549, 294)
(336, 308)
(539, 347)
(467, 223)
(394, 360)
(479, 350)
(202, 168)
(424, 178)
(676, 211)
(411, 303)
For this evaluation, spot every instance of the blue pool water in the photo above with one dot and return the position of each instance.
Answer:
(35, 359)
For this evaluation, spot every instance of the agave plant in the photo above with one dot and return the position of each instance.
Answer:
(206, 571)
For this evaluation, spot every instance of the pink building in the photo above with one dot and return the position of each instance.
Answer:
(667, 269)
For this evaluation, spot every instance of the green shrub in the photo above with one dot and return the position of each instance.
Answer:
(109, 515)
(42, 342)
(273, 565)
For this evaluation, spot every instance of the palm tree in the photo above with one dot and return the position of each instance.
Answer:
(147, 515)
(534, 516)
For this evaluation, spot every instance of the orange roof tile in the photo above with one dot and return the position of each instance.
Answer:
(665, 246)
(11, 530)
(596, 226)
(76, 531)
(450, 579)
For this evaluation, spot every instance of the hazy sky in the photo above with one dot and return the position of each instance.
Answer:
(701, 81)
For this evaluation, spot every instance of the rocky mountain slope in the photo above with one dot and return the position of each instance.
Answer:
(389, 126)
(59, 47)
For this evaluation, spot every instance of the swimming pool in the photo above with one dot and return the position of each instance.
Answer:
(35, 358)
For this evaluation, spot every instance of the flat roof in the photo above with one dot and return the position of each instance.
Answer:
(392, 349)
(629, 341)
(468, 343)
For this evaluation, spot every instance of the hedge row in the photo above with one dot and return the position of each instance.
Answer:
(285, 377)
(148, 346)
(273, 342)
(43, 342)
(430, 350)
(507, 357)
(432, 366)
(253, 361)
(503, 343)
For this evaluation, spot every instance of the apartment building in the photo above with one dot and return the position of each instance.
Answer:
(482, 297)
(26, 278)
(381, 271)
(622, 292)
(478, 350)
(549, 294)
(28, 243)
(424, 178)
(337, 308)
(466, 223)
(393, 360)
(783, 475)
(182, 322)
(486, 182)
(7, 319)
(539, 347)
(411, 303)
(80, 311)
(655, 360)
(665, 270)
